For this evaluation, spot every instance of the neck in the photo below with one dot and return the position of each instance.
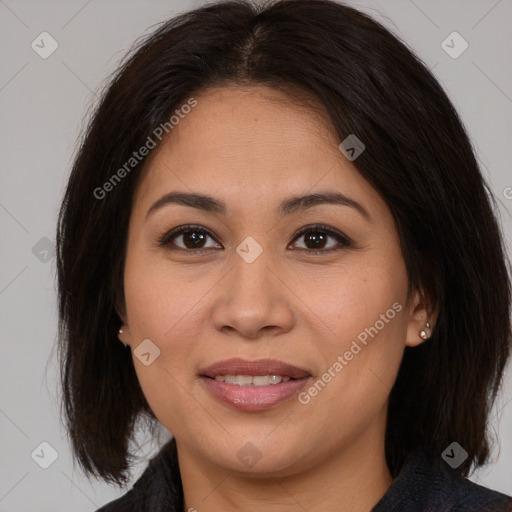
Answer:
(351, 479)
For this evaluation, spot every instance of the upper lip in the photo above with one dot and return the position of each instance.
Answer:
(237, 366)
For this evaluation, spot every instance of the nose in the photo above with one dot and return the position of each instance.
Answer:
(253, 300)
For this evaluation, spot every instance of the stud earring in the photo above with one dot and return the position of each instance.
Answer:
(121, 332)
(423, 333)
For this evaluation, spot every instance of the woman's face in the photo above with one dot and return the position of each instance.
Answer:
(244, 283)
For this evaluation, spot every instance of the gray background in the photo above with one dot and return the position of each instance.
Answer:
(43, 104)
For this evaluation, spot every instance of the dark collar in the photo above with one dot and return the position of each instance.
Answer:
(425, 484)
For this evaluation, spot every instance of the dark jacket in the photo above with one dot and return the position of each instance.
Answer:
(425, 484)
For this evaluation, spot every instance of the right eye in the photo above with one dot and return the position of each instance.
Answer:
(192, 238)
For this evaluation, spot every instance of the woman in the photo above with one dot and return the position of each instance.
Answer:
(279, 214)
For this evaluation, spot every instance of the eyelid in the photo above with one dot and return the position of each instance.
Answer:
(344, 241)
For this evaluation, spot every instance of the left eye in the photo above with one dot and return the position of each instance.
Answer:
(315, 238)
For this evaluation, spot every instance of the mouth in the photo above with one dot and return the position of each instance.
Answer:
(253, 385)
(252, 380)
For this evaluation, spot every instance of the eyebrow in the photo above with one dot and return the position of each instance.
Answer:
(291, 205)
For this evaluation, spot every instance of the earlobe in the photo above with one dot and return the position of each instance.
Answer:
(420, 322)
(123, 335)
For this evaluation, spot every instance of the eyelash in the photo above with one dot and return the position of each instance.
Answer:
(165, 241)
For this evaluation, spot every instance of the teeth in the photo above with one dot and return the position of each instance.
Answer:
(263, 380)
(248, 380)
(243, 380)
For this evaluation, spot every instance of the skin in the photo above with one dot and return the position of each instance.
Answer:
(252, 147)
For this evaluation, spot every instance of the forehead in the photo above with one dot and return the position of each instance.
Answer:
(251, 142)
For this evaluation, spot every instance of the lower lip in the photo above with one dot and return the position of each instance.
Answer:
(254, 398)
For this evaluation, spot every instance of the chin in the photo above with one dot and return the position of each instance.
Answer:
(257, 454)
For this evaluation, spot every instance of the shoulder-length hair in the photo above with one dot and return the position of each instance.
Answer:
(418, 157)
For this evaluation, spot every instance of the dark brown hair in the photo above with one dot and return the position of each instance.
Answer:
(418, 157)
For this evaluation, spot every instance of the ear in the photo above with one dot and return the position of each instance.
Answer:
(422, 318)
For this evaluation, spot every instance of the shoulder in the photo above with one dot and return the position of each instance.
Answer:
(427, 484)
(469, 496)
(126, 503)
(136, 499)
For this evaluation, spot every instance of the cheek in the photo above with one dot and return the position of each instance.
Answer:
(364, 310)
(350, 298)
(162, 307)
(159, 295)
